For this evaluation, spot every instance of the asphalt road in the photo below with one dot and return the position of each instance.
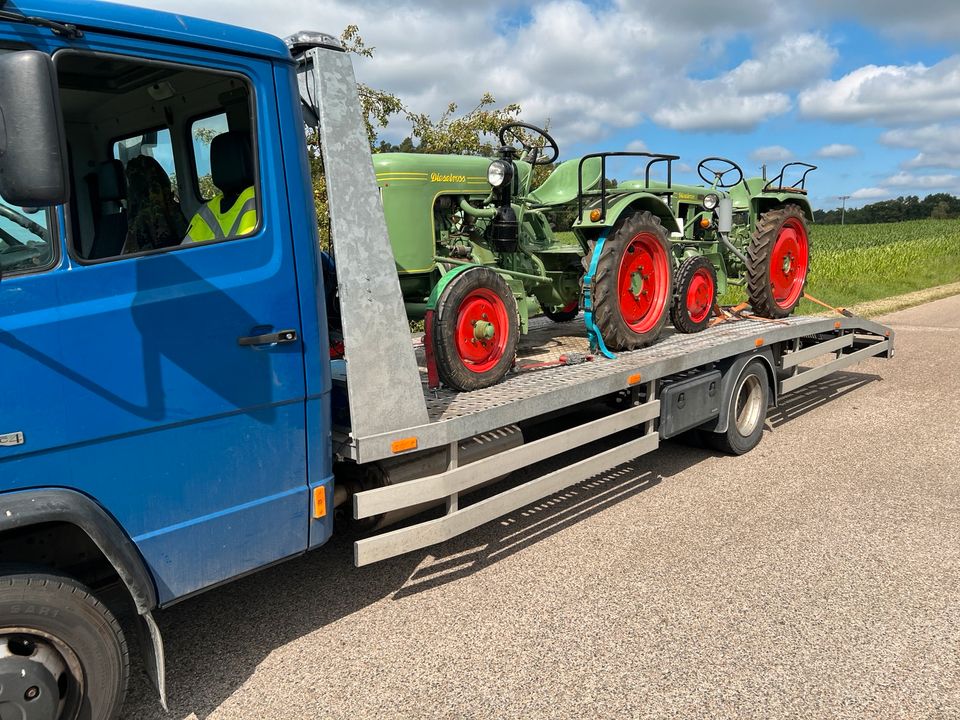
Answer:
(818, 576)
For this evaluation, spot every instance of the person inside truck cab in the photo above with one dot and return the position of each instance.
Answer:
(233, 213)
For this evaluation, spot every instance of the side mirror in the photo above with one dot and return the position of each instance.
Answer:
(33, 147)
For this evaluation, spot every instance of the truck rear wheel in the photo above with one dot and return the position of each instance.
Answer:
(748, 411)
(62, 653)
(778, 259)
(633, 283)
(476, 330)
(694, 296)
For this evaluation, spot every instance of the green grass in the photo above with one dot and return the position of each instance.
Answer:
(858, 263)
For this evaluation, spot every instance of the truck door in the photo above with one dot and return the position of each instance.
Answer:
(165, 380)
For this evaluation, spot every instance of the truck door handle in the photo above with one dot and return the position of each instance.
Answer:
(281, 336)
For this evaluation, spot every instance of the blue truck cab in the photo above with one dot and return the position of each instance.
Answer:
(166, 417)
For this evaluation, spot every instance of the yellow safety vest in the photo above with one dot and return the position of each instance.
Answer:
(213, 223)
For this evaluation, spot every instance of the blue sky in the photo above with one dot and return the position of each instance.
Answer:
(869, 90)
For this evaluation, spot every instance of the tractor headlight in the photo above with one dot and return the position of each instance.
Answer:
(711, 201)
(499, 173)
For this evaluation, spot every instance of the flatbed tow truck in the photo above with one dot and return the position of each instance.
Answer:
(177, 421)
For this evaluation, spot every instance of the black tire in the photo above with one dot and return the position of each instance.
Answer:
(766, 299)
(748, 411)
(607, 314)
(560, 315)
(460, 296)
(687, 314)
(60, 627)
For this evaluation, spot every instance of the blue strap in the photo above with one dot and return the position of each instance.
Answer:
(593, 332)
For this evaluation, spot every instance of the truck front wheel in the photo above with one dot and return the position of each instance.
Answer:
(62, 653)
(748, 411)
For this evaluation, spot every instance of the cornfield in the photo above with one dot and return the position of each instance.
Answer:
(858, 263)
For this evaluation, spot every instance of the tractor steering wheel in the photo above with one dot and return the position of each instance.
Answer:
(718, 167)
(510, 134)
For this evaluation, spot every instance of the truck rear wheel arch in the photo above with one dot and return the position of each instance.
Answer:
(731, 375)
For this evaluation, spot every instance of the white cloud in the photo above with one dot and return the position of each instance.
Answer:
(922, 182)
(637, 146)
(939, 19)
(938, 145)
(588, 69)
(837, 150)
(792, 62)
(771, 153)
(721, 111)
(888, 94)
(870, 193)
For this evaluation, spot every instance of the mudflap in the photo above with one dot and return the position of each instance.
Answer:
(151, 650)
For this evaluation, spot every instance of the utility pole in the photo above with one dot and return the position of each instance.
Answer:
(843, 207)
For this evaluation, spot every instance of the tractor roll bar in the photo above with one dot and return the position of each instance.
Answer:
(655, 158)
(800, 184)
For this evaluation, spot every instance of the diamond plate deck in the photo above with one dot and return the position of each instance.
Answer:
(528, 393)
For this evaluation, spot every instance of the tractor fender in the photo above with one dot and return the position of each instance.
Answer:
(445, 280)
(641, 202)
(768, 201)
(732, 371)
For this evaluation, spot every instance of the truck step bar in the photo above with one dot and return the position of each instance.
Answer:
(457, 521)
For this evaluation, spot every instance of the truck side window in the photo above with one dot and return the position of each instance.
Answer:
(202, 132)
(133, 130)
(25, 244)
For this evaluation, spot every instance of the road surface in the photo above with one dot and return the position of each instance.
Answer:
(818, 576)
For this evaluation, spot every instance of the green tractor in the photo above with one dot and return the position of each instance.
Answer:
(473, 265)
(739, 231)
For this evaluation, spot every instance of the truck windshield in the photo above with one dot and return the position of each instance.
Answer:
(24, 239)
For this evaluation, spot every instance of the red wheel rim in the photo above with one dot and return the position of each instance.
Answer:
(788, 263)
(570, 306)
(482, 327)
(642, 282)
(700, 295)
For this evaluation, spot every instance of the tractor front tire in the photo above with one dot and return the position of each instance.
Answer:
(476, 330)
(694, 295)
(62, 652)
(778, 259)
(633, 284)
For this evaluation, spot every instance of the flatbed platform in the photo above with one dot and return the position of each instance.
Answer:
(526, 394)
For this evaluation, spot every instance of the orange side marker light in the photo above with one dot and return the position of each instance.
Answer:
(319, 502)
(403, 444)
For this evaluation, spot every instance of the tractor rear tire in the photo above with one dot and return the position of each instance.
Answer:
(633, 283)
(778, 259)
(476, 330)
(694, 295)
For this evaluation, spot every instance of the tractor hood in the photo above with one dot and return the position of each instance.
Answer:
(443, 173)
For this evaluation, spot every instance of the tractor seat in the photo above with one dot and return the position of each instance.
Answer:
(561, 187)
